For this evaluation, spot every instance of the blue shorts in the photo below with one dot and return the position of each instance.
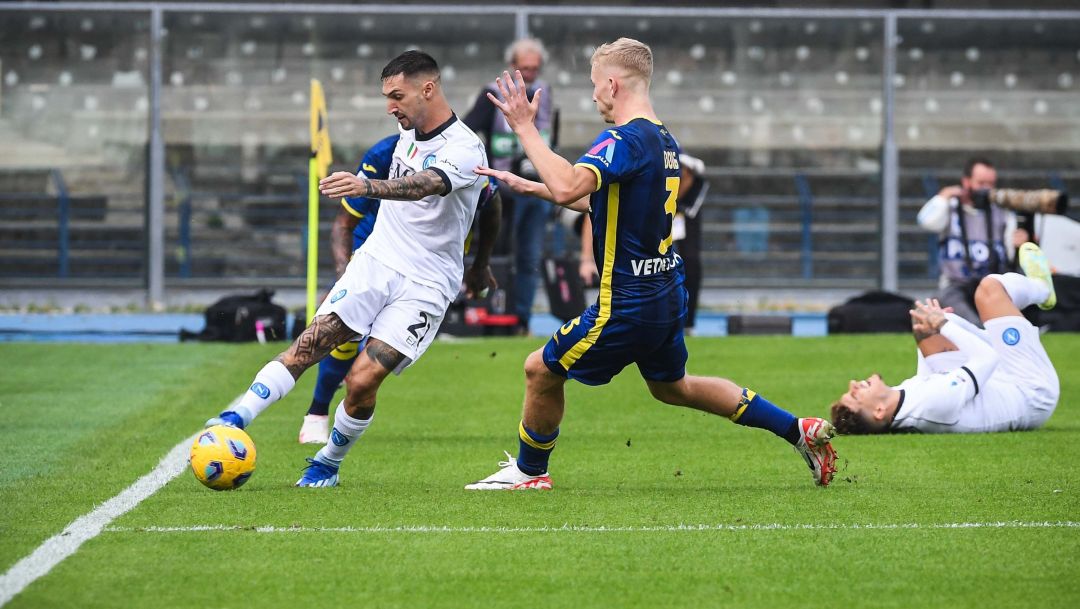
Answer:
(592, 354)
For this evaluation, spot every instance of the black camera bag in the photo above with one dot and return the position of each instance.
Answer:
(871, 312)
(233, 319)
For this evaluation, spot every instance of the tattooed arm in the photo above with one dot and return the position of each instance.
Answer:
(409, 188)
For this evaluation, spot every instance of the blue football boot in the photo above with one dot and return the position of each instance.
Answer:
(318, 474)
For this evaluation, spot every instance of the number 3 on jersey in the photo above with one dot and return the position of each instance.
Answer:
(672, 187)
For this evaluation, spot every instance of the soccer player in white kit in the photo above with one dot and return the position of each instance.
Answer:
(968, 380)
(399, 284)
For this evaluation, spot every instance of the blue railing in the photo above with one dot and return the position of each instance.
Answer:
(1056, 182)
(788, 221)
(806, 215)
(930, 188)
(183, 209)
(63, 232)
(186, 196)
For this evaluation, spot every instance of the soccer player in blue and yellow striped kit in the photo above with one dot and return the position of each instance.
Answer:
(627, 182)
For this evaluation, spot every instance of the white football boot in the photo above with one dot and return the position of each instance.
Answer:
(315, 430)
(813, 445)
(510, 478)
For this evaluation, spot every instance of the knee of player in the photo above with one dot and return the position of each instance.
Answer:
(361, 386)
(537, 374)
(989, 290)
(534, 365)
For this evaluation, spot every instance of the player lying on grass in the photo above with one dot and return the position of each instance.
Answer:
(632, 174)
(398, 286)
(352, 227)
(968, 380)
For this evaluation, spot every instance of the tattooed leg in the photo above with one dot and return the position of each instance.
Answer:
(277, 378)
(367, 374)
(315, 343)
(389, 357)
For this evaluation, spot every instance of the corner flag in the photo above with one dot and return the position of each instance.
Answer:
(318, 167)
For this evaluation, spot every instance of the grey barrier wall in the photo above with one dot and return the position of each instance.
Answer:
(145, 145)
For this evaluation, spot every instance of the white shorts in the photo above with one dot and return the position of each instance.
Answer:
(374, 300)
(1024, 363)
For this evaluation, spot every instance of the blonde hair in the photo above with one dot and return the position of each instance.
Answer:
(631, 55)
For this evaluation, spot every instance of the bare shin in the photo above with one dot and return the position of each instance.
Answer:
(706, 393)
(366, 376)
(545, 401)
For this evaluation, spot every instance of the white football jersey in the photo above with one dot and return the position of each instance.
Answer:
(998, 380)
(946, 403)
(425, 240)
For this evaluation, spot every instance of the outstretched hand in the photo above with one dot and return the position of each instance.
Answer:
(512, 181)
(515, 104)
(342, 184)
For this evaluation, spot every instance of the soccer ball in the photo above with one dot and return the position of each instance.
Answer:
(223, 457)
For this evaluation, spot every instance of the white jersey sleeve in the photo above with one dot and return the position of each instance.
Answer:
(939, 363)
(952, 400)
(934, 401)
(980, 359)
(456, 163)
(934, 215)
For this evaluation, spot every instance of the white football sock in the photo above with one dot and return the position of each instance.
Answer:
(1024, 291)
(345, 433)
(271, 384)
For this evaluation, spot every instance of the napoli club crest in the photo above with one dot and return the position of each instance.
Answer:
(1010, 336)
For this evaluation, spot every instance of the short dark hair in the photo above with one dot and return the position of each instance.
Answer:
(411, 63)
(969, 166)
(848, 422)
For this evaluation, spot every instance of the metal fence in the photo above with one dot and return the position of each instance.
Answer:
(147, 144)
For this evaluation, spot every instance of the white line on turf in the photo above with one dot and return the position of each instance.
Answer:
(1006, 524)
(86, 527)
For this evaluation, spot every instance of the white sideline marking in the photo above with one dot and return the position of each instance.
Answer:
(84, 528)
(1008, 524)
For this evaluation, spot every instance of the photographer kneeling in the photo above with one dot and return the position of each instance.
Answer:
(978, 231)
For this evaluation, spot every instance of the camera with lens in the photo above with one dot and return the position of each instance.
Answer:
(1041, 201)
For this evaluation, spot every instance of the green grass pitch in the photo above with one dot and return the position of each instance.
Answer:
(82, 422)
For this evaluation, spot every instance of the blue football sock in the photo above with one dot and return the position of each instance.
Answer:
(756, 411)
(332, 371)
(534, 450)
